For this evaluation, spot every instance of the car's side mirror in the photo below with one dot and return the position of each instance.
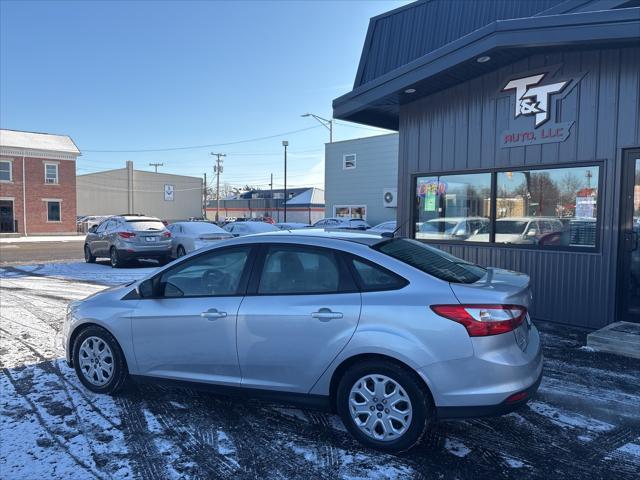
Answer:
(93, 229)
(532, 233)
(145, 289)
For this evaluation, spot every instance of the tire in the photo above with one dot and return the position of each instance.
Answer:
(181, 252)
(104, 342)
(418, 413)
(114, 258)
(88, 256)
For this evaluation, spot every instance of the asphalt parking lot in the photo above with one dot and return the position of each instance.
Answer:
(584, 422)
(21, 253)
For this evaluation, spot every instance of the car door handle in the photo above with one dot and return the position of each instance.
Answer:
(212, 314)
(325, 314)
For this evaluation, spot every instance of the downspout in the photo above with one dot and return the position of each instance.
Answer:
(24, 198)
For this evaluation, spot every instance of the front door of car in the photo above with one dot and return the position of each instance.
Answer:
(301, 309)
(186, 328)
(99, 242)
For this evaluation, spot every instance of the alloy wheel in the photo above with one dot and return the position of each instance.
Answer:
(380, 407)
(96, 361)
(114, 257)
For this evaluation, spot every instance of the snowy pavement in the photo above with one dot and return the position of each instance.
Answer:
(584, 423)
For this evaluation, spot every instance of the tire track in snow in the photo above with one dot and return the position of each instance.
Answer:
(54, 436)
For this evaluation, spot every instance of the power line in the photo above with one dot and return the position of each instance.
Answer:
(195, 147)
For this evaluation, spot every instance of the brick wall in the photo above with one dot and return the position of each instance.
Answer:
(36, 193)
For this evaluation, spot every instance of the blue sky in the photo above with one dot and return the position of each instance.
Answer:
(153, 75)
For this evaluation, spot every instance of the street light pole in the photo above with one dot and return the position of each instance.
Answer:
(218, 170)
(285, 144)
(328, 124)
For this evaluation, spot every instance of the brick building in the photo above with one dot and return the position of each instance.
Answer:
(39, 170)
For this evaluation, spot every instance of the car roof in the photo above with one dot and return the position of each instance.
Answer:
(357, 237)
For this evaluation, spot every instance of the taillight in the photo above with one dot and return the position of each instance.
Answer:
(166, 234)
(484, 320)
(127, 234)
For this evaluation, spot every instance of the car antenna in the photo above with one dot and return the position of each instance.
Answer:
(393, 234)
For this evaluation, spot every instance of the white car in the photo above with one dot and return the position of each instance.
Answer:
(291, 225)
(451, 228)
(342, 222)
(520, 230)
(187, 237)
(389, 226)
(240, 229)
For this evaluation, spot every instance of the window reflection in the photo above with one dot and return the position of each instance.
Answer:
(453, 207)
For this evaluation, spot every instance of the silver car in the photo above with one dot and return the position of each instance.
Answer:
(389, 332)
(122, 238)
(187, 237)
(240, 229)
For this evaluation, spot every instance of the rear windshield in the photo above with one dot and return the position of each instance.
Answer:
(144, 225)
(431, 260)
(202, 227)
(438, 227)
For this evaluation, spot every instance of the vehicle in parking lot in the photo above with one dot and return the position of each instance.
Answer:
(239, 229)
(389, 226)
(187, 237)
(520, 230)
(389, 332)
(342, 222)
(451, 228)
(122, 238)
(291, 225)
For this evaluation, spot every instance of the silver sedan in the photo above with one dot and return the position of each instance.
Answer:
(187, 237)
(389, 332)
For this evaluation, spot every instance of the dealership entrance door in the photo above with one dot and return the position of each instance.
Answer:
(7, 224)
(630, 238)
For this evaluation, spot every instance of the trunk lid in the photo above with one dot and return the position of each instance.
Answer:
(497, 286)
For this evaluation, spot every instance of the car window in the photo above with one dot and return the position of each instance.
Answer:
(296, 270)
(216, 273)
(102, 227)
(373, 277)
(431, 260)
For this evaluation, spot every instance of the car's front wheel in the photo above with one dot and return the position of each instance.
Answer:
(384, 405)
(99, 361)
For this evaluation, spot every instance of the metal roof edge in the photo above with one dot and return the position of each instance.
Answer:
(349, 102)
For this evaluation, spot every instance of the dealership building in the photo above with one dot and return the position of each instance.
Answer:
(519, 141)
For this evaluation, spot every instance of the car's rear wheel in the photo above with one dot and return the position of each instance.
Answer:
(181, 251)
(114, 257)
(88, 256)
(99, 361)
(384, 405)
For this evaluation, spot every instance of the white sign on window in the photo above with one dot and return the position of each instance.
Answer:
(168, 192)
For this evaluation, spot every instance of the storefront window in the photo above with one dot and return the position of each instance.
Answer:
(554, 207)
(350, 211)
(453, 207)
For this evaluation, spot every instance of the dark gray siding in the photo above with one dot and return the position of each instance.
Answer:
(456, 130)
(408, 33)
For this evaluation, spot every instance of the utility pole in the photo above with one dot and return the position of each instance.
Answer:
(204, 197)
(325, 122)
(217, 169)
(271, 196)
(156, 165)
(285, 144)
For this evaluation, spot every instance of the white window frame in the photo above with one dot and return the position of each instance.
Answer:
(350, 207)
(47, 201)
(10, 162)
(57, 179)
(344, 161)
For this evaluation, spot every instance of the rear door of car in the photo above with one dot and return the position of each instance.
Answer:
(301, 309)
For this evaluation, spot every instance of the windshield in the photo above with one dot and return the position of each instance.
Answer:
(146, 224)
(510, 227)
(439, 226)
(431, 260)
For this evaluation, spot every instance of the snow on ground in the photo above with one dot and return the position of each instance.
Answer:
(584, 423)
(44, 238)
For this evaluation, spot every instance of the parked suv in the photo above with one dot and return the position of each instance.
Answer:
(123, 238)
